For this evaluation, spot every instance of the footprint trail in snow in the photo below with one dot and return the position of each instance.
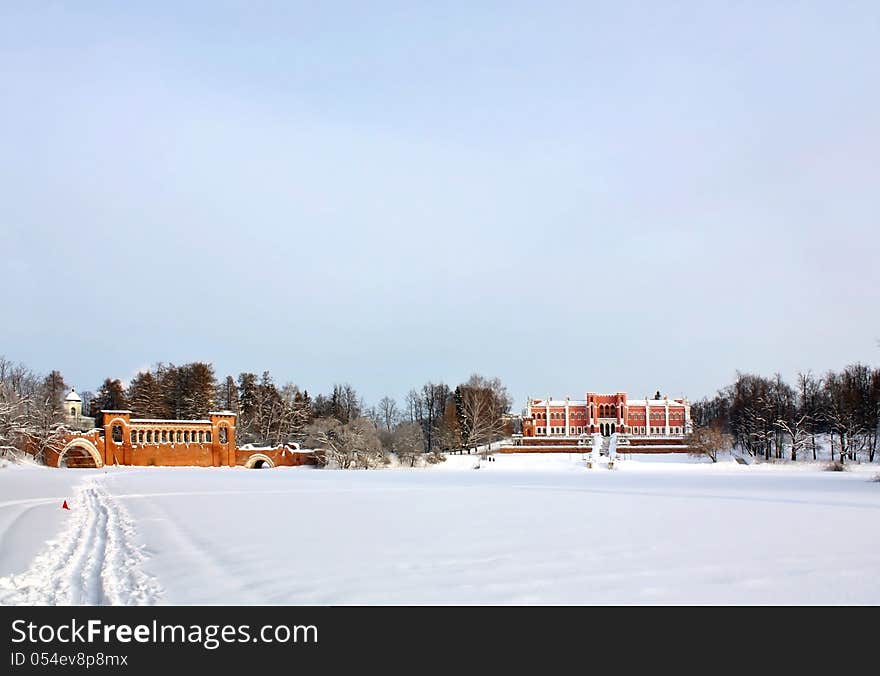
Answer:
(95, 561)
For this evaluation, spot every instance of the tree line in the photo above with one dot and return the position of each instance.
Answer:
(31, 409)
(770, 418)
(434, 419)
(762, 416)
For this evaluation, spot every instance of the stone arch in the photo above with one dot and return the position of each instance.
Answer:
(258, 460)
(85, 445)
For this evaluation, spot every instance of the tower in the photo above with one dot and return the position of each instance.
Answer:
(73, 405)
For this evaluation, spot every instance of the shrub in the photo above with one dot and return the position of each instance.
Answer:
(434, 458)
(835, 466)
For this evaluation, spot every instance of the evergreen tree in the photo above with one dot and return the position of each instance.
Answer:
(145, 396)
(170, 383)
(197, 390)
(226, 395)
(110, 397)
(53, 392)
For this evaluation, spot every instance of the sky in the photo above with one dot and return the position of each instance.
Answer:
(570, 196)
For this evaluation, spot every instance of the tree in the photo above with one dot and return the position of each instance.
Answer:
(843, 413)
(346, 445)
(295, 414)
(795, 429)
(226, 395)
(17, 390)
(197, 388)
(810, 391)
(387, 413)
(426, 407)
(481, 405)
(752, 414)
(187, 390)
(709, 441)
(87, 398)
(110, 397)
(449, 436)
(145, 396)
(407, 442)
(54, 390)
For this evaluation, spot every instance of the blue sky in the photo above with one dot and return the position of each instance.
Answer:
(570, 196)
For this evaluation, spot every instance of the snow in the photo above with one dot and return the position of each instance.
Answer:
(530, 528)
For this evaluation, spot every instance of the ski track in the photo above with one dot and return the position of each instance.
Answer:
(95, 561)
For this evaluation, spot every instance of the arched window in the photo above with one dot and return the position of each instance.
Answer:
(186, 436)
(207, 437)
(116, 431)
(133, 437)
(72, 411)
(149, 436)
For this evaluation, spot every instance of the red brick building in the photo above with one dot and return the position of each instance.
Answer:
(203, 443)
(651, 425)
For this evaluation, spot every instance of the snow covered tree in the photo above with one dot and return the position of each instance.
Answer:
(198, 384)
(247, 396)
(481, 405)
(407, 442)
(295, 415)
(812, 404)
(145, 397)
(226, 395)
(31, 411)
(54, 389)
(109, 397)
(346, 445)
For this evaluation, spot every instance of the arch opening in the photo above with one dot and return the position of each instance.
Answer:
(259, 461)
(80, 454)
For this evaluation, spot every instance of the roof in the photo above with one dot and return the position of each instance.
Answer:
(163, 421)
(654, 403)
(73, 396)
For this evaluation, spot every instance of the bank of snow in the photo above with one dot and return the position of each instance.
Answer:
(521, 529)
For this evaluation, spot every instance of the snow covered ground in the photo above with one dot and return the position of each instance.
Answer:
(522, 529)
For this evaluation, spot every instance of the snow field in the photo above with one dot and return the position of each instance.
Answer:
(523, 529)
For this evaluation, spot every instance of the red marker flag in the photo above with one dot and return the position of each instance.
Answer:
(64, 506)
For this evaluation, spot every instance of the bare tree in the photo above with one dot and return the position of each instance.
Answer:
(842, 415)
(481, 405)
(347, 445)
(387, 413)
(31, 415)
(709, 442)
(811, 406)
(407, 442)
(795, 430)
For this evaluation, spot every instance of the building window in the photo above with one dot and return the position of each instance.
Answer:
(223, 435)
(207, 437)
(133, 437)
(116, 431)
